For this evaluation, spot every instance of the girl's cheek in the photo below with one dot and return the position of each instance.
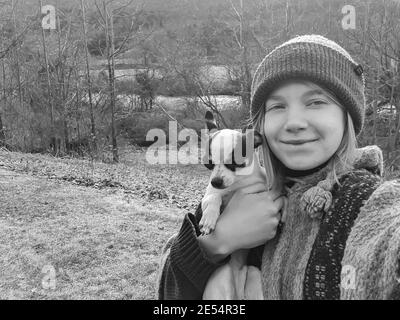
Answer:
(332, 116)
(272, 123)
(269, 130)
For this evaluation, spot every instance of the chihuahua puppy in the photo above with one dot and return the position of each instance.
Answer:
(231, 171)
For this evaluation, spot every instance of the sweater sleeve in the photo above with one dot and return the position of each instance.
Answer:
(372, 254)
(185, 268)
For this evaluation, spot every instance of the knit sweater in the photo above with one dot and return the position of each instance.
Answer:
(372, 254)
(304, 260)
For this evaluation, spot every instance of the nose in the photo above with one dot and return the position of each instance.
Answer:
(217, 183)
(295, 120)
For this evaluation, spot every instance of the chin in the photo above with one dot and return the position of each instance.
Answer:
(302, 165)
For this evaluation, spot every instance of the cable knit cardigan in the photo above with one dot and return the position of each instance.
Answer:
(351, 251)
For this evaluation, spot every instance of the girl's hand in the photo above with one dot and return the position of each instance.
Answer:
(250, 219)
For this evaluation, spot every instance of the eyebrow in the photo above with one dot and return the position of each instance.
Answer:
(306, 95)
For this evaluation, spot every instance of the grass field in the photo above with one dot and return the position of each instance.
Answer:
(76, 229)
(70, 229)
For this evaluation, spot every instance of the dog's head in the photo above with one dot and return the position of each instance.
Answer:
(230, 153)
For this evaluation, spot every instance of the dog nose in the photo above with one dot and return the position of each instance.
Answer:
(217, 183)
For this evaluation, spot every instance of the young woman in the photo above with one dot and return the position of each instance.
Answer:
(341, 235)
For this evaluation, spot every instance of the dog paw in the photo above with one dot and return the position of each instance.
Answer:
(207, 223)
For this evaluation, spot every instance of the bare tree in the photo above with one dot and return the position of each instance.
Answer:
(4, 99)
(379, 45)
(16, 57)
(88, 78)
(109, 30)
(54, 144)
(107, 22)
(245, 69)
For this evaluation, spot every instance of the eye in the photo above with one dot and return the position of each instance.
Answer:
(274, 107)
(316, 102)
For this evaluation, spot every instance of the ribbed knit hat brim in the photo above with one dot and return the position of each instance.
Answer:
(317, 59)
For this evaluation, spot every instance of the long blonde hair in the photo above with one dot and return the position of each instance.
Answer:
(340, 162)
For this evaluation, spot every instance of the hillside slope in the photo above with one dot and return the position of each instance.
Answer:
(100, 244)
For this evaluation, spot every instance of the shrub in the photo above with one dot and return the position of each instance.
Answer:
(136, 126)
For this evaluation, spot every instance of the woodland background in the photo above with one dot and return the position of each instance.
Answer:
(112, 70)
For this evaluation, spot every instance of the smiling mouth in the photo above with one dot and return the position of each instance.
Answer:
(298, 142)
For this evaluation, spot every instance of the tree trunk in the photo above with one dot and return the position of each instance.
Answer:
(2, 133)
(287, 17)
(395, 140)
(50, 100)
(18, 73)
(246, 75)
(16, 55)
(79, 107)
(89, 81)
(111, 76)
(329, 18)
(62, 96)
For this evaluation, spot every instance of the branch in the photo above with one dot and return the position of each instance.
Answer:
(118, 10)
(17, 41)
(171, 117)
(116, 52)
(234, 9)
(101, 15)
(68, 34)
(237, 39)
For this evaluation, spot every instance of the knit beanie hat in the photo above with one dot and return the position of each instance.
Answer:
(317, 59)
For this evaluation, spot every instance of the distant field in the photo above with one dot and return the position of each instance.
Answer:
(99, 230)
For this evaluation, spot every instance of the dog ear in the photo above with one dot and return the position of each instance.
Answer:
(206, 160)
(257, 139)
(210, 121)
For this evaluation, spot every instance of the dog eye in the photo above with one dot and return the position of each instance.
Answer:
(231, 167)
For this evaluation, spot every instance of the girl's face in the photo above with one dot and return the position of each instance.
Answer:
(303, 128)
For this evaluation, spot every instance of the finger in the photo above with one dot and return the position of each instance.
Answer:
(278, 203)
(274, 194)
(270, 195)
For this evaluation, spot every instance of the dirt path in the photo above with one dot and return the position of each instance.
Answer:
(62, 241)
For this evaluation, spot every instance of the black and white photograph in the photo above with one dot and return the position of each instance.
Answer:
(212, 150)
